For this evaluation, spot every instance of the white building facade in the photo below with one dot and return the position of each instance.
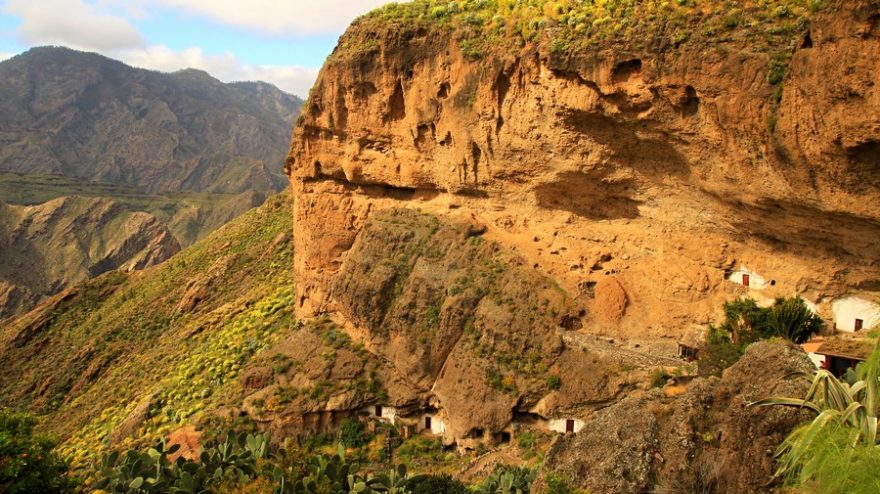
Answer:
(854, 314)
(564, 426)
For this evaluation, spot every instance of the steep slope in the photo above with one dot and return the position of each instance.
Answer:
(635, 152)
(68, 240)
(132, 354)
(84, 116)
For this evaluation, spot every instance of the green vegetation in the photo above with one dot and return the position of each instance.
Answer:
(554, 382)
(508, 480)
(231, 462)
(558, 485)
(574, 25)
(838, 451)
(27, 463)
(441, 484)
(745, 323)
(128, 358)
(352, 434)
(420, 449)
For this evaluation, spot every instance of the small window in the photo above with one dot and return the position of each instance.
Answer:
(569, 426)
(378, 410)
(746, 280)
(859, 324)
(428, 423)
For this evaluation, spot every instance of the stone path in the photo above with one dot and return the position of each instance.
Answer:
(637, 353)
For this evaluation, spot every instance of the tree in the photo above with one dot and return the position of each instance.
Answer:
(838, 451)
(745, 323)
(793, 320)
(27, 464)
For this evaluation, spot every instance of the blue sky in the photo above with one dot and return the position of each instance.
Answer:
(280, 41)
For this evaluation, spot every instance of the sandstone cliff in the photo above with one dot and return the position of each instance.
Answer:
(632, 167)
(51, 246)
(636, 170)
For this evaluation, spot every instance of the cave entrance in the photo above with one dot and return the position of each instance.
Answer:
(746, 280)
(569, 426)
(379, 411)
(428, 423)
(859, 324)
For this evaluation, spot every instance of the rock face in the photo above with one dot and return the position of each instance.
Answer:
(88, 117)
(706, 440)
(469, 328)
(49, 247)
(661, 167)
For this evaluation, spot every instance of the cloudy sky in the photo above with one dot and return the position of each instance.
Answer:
(279, 41)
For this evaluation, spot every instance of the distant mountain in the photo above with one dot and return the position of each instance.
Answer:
(85, 116)
(105, 166)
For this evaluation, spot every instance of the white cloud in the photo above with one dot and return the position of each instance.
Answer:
(73, 23)
(279, 17)
(226, 67)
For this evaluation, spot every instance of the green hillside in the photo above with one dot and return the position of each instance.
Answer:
(570, 27)
(129, 356)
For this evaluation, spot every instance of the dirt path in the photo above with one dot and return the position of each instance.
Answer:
(636, 353)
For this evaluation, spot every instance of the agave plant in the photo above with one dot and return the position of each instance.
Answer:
(846, 420)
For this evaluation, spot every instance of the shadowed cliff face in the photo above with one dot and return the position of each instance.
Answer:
(659, 168)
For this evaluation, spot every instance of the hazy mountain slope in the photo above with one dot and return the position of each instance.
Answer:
(184, 149)
(67, 240)
(85, 116)
(189, 215)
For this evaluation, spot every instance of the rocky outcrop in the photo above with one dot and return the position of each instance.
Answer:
(661, 166)
(447, 321)
(705, 440)
(49, 247)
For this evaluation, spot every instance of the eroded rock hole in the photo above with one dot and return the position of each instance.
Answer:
(570, 323)
(447, 139)
(443, 92)
(807, 42)
(627, 70)
(476, 154)
(397, 104)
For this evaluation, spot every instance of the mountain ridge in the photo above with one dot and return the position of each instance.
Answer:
(87, 116)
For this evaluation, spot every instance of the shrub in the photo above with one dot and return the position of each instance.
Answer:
(554, 382)
(27, 463)
(234, 460)
(558, 485)
(659, 378)
(352, 434)
(441, 484)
